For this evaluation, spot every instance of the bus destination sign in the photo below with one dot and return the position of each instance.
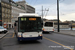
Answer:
(32, 18)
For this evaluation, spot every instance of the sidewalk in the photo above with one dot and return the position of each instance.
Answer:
(3, 35)
(66, 32)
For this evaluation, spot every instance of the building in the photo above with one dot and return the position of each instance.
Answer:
(19, 7)
(9, 11)
(28, 8)
(16, 9)
(54, 20)
(5, 12)
(61, 25)
(73, 25)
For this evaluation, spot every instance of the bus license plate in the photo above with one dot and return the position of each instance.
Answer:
(30, 35)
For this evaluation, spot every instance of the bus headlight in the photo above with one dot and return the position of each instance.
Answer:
(40, 35)
(19, 34)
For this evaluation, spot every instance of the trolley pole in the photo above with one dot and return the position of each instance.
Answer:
(58, 14)
(42, 13)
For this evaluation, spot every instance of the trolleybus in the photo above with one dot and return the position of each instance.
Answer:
(48, 26)
(28, 27)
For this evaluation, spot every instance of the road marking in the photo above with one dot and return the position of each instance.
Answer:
(57, 43)
(13, 35)
(10, 37)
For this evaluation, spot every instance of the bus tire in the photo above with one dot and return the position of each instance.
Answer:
(43, 32)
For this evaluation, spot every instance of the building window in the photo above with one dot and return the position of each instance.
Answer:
(22, 7)
(6, 10)
(9, 20)
(3, 9)
(2, 3)
(16, 4)
(3, 15)
(7, 15)
(6, 5)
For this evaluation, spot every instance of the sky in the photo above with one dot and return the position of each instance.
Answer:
(66, 8)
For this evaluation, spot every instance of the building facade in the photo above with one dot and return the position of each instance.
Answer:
(73, 25)
(9, 11)
(16, 9)
(5, 12)
(28, 8)
(19, 7)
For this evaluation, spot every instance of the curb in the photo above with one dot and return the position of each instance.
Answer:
(64, 34)
(4, 35)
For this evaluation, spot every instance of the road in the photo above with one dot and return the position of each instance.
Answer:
(49, 42)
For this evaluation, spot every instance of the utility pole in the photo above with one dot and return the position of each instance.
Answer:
(58, 14)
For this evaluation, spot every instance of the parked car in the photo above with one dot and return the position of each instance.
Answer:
(3, 30)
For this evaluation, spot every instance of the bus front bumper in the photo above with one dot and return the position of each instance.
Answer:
(48, 31)
(29, 38)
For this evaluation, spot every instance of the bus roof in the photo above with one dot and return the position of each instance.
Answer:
(28, 14)
(47, 21)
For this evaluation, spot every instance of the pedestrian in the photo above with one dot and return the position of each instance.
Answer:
(71, 27)
(12, 26)
(15, 25)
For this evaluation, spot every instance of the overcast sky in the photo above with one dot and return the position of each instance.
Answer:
(67, 8)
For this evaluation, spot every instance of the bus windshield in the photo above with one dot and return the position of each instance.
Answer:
(49, 24)
(28, 24)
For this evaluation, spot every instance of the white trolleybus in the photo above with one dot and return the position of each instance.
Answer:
(48, 27)
(28, 27)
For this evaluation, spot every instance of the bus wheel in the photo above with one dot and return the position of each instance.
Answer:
(50, 32)
(43, 32)
(19, 41)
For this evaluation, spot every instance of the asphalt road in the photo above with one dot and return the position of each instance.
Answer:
(49, 42)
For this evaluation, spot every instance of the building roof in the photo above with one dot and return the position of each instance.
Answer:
(53, 20)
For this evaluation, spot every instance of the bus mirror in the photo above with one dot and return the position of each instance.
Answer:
(42, 23)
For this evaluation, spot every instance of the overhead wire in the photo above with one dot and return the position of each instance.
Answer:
(47, 12)
(30, 1)
(35, 2)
